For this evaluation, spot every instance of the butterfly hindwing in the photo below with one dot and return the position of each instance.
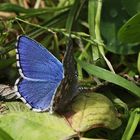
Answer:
(37, 95)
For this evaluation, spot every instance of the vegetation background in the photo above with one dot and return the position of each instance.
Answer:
(106, 37)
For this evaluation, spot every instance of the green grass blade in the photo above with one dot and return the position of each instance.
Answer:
(92, 6)
(92, 9)
(110, 77)
(36, 31)
(138, 62)
(71, 16)
(8, 7)
(132, 124)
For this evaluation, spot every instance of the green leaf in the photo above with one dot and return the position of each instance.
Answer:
(109, 31)
(4, 135)
(132, 6)
(31, 125)
(110, 77)
(130, 31)
(22, 124)
(113, 16)
(92, 110)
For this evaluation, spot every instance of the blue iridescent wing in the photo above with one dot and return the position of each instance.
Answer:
(36, 95)
(36, 62)
(41, 74)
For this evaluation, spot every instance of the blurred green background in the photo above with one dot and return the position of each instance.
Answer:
(106, 35)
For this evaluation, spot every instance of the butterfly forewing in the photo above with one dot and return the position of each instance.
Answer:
(36, 62)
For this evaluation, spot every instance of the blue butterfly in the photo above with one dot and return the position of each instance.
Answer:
(41, 74)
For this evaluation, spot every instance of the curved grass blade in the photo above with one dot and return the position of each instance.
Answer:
(130, 31)
(75, 10)
(132, 124)
(8, 7)
(110, 77)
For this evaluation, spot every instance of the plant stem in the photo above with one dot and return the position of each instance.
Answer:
(132, 124)
(98, 35)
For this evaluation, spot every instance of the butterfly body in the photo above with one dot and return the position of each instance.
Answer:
(68, 87)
